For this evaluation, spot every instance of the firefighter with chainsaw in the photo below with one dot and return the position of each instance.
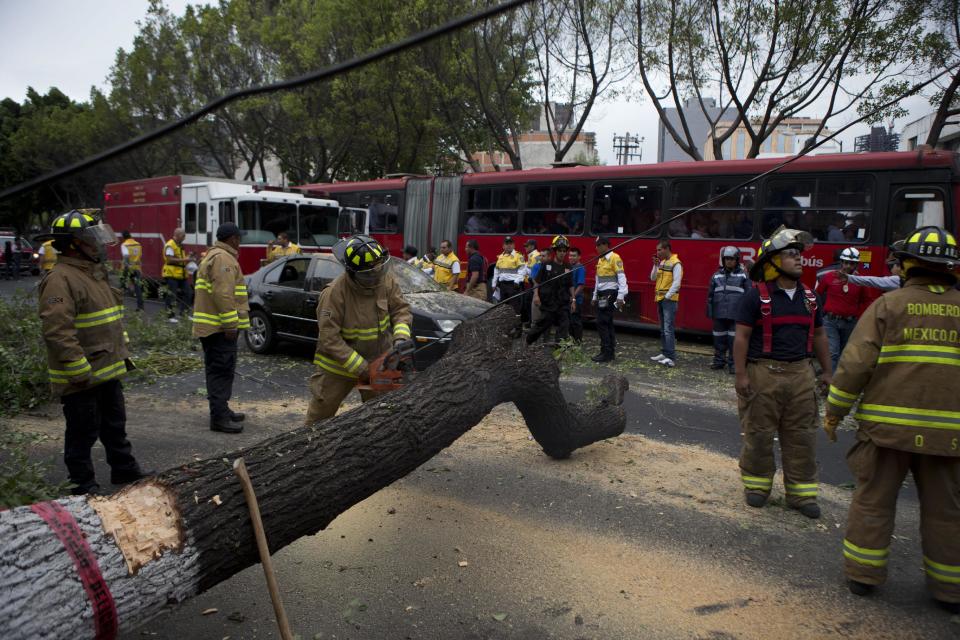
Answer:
(82, 318)
(901, 356)
(361, 315)
(779, 329)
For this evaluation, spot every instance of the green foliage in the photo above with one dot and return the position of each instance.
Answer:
(23, 481)
(23, 359)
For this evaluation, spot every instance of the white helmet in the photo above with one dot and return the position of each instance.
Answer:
(850, 254)
(729, 252)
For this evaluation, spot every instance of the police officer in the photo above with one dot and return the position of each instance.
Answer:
(900, 357)
(609, 291)
(554, 293)
(359, 315)
(727, 287)
(86, 350)
(779, 328)
(131, 253)
(220, 312)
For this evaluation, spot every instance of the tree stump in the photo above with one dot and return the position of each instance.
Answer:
(171, 537)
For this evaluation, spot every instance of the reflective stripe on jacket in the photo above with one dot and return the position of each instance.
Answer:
(509, 268)
(357, 324)
(725, 292)
(443, 268)
(172, 270)
(610, 275)
(134, 255)
(82, 318)
(901, 356)
(220, 299)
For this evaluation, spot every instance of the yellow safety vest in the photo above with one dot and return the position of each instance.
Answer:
(443, 268)
(608, 269)
(665, 277)
(278, 252)
(532, 258)
(174, 271)
(509, 262)
(49, 256)
(134, 254)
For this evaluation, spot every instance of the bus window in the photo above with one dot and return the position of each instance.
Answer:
(264, 220)
(625, 208)
(563, 212)
(831, 209)
(491, 210)
(914, 208)
(729, 217)
(318, 226)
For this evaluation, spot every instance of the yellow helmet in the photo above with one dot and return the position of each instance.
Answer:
(779, 240)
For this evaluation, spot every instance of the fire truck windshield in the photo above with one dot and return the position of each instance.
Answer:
(318, 225)
(262, 221)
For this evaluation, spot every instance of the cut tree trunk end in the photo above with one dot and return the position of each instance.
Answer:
(168, 538)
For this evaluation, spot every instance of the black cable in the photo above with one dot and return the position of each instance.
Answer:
(806, 149)
(292, 83)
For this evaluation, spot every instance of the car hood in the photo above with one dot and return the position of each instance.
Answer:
(447, 304)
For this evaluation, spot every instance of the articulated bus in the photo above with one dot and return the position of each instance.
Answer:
(152, 208)
(862, 200)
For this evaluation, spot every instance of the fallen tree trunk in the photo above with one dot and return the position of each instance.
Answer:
(171, 537)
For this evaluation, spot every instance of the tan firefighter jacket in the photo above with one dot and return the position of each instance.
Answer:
(903, 357)
(357, 324)
(220, 299)
(82, 318)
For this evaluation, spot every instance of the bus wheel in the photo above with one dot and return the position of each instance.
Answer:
(260, 337)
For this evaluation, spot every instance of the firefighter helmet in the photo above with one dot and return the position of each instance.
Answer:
(932, 247)
(778, 241)
(560, 242)
(729, 252)
(80, 224)
(363, 257)
(850, 254)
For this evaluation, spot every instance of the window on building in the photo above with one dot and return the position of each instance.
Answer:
(730, 216)
(913, 208)
(554, 209)
(492, 210)
(911, 143)
(831, 209)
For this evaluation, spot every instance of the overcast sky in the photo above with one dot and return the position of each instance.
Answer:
(71, 44)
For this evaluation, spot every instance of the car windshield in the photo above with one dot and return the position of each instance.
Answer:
(411, 279)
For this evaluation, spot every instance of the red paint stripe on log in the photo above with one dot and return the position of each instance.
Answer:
(65, 527)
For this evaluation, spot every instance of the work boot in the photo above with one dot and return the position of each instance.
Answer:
(756, 500)
(225, 426)
(860, 588)
(732, 370)
(808, 509)
(126, 477)
(949, 607)
(602, 357)
(717, 365)
(89, 489)
(237, 416)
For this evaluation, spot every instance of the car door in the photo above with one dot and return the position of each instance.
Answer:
(322, 272)
(284, 288)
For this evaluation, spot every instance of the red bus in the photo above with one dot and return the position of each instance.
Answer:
(862, 200)
(152, 208)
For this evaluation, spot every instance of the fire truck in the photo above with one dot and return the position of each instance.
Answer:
(150, 209)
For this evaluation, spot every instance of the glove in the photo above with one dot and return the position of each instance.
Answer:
(404, 346)
(619, 304)
(830, 424)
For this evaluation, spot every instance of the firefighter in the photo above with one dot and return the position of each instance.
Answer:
(609, 291)
(221, 311)
(508, 278)
(48, 256)
(282, 247)
(554, 293)
(727, 287)
(174, 274)
(86, 350)
(131, 253)
(779, 328)
(900, 357)
(446, 267)
(359, 316)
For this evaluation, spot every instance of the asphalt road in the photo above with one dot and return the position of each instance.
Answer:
(605, 545)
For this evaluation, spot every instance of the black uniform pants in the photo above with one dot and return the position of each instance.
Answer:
(605, 308)
(558, 317)
(97, 412)
(576, 323)
(179, 290)
(509, 290)
(723, 333)
(132, 276)
(219, 363)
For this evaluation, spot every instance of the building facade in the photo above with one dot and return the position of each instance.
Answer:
(787, 139)
(915, 133)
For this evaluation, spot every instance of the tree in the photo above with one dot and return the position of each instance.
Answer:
(579, 46)
(166, 539)
(942, 49)
(767, 62)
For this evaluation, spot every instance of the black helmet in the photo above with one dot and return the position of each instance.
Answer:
(781, 239)
(932, 246)
(560, 242)
(82, 225)
(363, 258)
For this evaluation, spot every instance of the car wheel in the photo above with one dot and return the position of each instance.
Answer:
(259, 336)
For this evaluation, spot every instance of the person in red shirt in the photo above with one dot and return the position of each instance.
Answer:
(842, 302)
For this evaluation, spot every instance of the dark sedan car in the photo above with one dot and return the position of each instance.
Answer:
(283, 303)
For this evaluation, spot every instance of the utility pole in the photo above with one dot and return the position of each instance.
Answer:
(625, 147)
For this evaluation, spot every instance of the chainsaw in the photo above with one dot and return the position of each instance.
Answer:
(389, 371)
